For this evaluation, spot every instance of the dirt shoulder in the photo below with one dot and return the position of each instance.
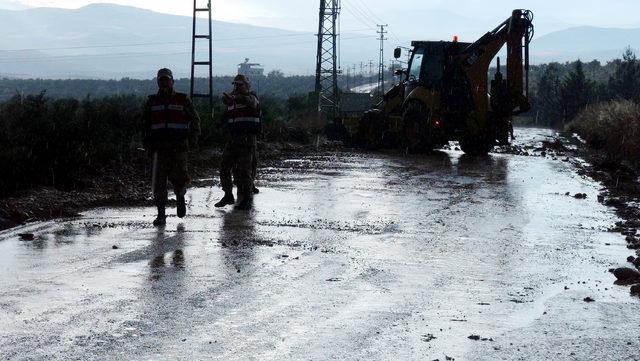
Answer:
(123, 187)
(621, 191)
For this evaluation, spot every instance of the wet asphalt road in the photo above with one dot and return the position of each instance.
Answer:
(345, 257)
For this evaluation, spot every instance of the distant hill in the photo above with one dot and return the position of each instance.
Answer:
(113, 41)
(586, 43)
(51, 41)
(12, 5)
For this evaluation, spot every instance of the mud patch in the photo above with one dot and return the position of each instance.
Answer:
(621, 191)
(130, 186)
(478, 338)
(370, 228)
(428, 337)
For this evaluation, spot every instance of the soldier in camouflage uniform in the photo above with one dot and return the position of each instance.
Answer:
(171, 128)
(242, 118)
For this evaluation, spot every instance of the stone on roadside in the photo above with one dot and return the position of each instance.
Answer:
(580, 196)
(26, 236)
(626, 274)
(589, 299)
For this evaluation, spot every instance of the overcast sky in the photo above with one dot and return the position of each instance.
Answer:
(400, 15)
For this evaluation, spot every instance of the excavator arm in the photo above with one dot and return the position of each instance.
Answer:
(518, 39)
(516, 32)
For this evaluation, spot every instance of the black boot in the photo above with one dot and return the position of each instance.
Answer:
(227, 199)
(181, 206)
(161, 219)
(245, 204)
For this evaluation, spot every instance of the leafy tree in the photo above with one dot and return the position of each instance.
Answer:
(549, 99)
(625, 82)
(277, 73)
(576, 92)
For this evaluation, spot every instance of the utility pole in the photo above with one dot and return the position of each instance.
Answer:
(327, 90)
(348, 75)
(370, 76)
(381, 63)
(355, 75)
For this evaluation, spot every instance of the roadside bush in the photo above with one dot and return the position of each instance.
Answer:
(54, 142)
(613, 128)
(294, 120)
(211, 126)
(51, 142)
(279, 121)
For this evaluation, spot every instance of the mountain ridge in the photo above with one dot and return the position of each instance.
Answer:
(113, 41)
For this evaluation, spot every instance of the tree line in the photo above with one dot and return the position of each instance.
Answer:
(57, 142)
(561, 91)
(273, 84)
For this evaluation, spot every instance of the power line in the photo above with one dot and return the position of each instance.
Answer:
(166, 42)
(360, 18)
(71, 57)
(138, 54)
(94, 46)
(364, 9)
(367, 12)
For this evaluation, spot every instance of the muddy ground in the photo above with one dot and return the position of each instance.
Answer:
(130, 187)
(126, 187)
(620, 190)
(346, 255)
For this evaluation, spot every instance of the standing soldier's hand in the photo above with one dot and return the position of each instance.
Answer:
(227, 99)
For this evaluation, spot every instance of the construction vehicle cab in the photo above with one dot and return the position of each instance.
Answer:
(444, 95)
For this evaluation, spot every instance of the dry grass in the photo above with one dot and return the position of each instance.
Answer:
(612, 128)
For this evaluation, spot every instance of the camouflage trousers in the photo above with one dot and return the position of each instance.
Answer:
(238, 160)
(170, 165)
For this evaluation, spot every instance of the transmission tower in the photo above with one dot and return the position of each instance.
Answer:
(327, 63)
(381, 63)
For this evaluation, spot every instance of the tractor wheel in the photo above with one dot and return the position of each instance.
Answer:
(416, 127)
(502, 130)
(371, 130)
(476, 145)
(336, 131)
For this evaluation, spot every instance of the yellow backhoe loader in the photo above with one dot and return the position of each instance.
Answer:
(443, 94)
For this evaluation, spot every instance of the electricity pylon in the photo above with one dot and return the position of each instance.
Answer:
(327, 60)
